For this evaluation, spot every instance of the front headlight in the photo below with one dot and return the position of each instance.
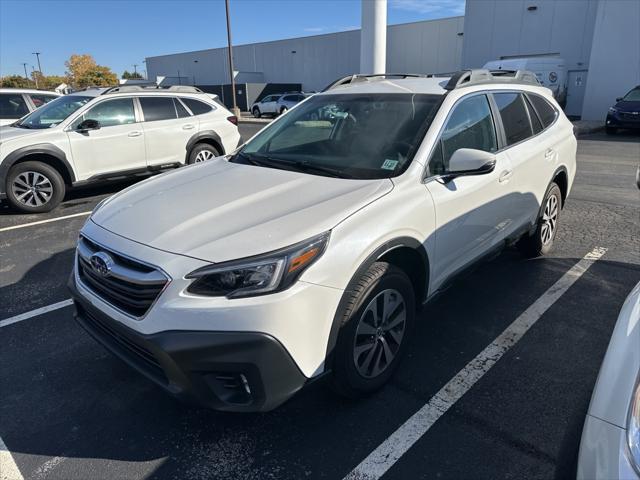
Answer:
(613, 110)
(268, 273)
(633, 428)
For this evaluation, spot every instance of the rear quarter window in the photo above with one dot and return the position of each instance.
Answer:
(196, 106)
(546, 112)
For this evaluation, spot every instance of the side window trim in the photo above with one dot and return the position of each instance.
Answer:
(557, 114)
(31, 106)
(179, 99)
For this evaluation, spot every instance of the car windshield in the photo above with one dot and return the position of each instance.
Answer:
(363, 136)
(632, 96)
(54, 112)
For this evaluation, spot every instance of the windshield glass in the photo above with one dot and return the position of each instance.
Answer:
(54, 112)
(362, 136)
(632, 96)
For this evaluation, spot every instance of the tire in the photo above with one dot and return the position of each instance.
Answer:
(202, 152)
(256, 112)
(47, 181)
(283, 110)
(611, 130)
(541, 242)
(358, 370)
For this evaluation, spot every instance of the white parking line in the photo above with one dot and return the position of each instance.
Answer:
(36, 312)
(8, 468)
(400, 441)
(40, 222)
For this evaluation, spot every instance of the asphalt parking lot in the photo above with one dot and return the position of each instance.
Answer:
(70, 410)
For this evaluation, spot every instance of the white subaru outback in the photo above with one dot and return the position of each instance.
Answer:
(102, 134)
(307, 252)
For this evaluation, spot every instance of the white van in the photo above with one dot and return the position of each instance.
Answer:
(551, 72)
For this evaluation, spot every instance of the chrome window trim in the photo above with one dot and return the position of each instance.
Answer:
(128, 257)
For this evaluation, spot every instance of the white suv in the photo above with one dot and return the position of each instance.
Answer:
(103, 134)
(308, 251)
(15, 103)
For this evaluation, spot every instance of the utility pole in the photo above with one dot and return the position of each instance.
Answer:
(26, 75)
(37, 54)
(135, 69)
(35, 77)
(236, 110)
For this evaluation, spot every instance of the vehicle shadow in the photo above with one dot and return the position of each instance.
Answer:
(625, 136)
(64, 396)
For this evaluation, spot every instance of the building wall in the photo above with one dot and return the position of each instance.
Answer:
(420, 47)
(499, 28)
(614, 66)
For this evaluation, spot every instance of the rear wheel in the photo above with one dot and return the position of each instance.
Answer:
(256, 112)
(376, 324)
(541, 242)
(202, 152)
(34, 187)
(283, 110)
(611, 130)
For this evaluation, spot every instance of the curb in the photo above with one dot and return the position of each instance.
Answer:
(262, 121)
(581, 130)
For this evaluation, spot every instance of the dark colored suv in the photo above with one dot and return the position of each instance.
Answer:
(625, 113)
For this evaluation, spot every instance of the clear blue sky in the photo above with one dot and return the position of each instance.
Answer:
(119, 33)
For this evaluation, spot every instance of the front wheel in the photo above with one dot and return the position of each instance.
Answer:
(541, 242)
(34, 187)
(256, 112)
(376, 324)
(283, 110)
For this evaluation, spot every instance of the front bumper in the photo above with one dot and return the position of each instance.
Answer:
(230, 371)
(623, 120)
(603, 452)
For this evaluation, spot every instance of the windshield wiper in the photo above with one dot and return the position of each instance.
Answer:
(298, 165)
(21, 125)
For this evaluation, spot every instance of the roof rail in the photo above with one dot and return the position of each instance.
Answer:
(356, 78)
(152, 86)
(480, 76)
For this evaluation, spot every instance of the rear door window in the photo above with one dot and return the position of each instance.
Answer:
(515, 118)
(157, 108)
(545, 111)
(12, 106)
(40, 99)
(196, 106)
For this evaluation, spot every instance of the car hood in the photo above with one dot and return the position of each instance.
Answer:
(218, 211)
(8, 132)
(628, 106)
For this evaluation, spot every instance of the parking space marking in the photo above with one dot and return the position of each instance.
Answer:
(8, 468)
(35, 313)
(400, 441)
(40, 222)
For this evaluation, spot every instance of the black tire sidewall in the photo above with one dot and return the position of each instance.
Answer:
(256, 112)
(347, 379)
(51, 173)
(546, 248)
(199, 148)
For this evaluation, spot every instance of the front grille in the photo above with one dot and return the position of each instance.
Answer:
(630, 116)
(124, 345)
(128, 285)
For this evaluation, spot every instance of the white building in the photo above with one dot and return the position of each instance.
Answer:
(598, 39)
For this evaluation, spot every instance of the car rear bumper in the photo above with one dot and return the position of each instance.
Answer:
(230, 371)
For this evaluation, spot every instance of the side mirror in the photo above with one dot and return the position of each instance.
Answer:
(618, 99)
(88, 124)
(468, 161)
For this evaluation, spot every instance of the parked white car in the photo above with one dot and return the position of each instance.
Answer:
(108, 133)
(266, 106)
(610, 446)
(15, 103)
(307, 251)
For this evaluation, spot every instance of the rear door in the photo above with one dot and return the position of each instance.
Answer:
(269, 104)
(167, 126)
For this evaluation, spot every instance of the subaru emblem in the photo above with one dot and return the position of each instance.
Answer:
(101, 263)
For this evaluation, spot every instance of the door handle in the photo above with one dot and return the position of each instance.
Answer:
(505, 175)
(549, 153)
(188, 127)
(135, 134)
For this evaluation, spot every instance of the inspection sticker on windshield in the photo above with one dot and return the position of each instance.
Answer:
(389, 164)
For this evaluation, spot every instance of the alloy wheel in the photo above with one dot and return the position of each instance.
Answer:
(203, 155)
(379, 333)
(32, 189)
(549, 220)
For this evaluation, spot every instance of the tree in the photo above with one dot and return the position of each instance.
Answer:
(15, 81)
(131, 75)
(83, 71)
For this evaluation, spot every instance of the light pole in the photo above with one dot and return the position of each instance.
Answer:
(135, 69)
(236, 110)
(26, 75)
(35, 77)
(37, 54)
(373, 37)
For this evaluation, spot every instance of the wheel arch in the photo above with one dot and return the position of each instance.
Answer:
(207, 136)
(406, 253)
(45, 153)
(561, 178)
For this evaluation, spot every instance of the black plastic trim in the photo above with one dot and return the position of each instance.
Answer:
(187, 364)
(204, 135)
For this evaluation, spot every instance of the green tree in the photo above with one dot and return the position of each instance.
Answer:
(83, 71)
(127, 75)
(15, 81)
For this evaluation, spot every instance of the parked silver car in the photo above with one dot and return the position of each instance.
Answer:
(277, 104)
